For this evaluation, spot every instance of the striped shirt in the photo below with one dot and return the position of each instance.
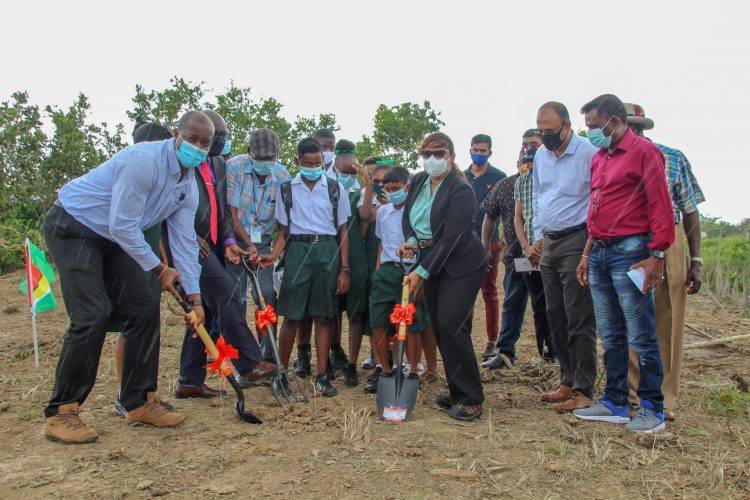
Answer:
(684, 190)
(522, 192)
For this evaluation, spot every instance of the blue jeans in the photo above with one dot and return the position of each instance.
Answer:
(514, 309)
(625, 316)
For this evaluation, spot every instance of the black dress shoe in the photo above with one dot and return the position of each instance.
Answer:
(197, 391)
(372, 387)
(350, 376)
(495, 363)
(489, 351)
(444, 401)
(338, 358)
(374, 375)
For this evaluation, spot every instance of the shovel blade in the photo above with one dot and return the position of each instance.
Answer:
(397, 396)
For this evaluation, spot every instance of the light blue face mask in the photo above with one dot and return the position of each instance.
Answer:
(227, 147)
(262, 167)
(190, 155)
(597, 137)
(311, 174)
(397, 197)
(347, 180)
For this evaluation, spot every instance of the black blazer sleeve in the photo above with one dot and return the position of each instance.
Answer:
(226, 229)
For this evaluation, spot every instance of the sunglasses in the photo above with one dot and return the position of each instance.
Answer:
(437, 153)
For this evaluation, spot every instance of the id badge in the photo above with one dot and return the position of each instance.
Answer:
(255, 234)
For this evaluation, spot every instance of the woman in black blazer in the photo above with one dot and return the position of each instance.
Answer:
(438, 219)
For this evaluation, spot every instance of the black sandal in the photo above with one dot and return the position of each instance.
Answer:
(467, 413)
(444, 401)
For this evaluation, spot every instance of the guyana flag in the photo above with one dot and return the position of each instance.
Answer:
(40, 274)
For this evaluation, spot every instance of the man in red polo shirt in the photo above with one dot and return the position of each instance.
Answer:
(631, 225)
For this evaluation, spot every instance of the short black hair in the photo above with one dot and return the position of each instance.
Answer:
(149, 131)
(480, 138)
(559, 109)
(371, 160)
(607, 105)
(531, 132)
(345, 145)
(397, 173)
(324, 133)
(308, 145)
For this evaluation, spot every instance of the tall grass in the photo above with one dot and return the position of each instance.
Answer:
(726, 270)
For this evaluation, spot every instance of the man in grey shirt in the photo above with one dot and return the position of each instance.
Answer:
(561, 180)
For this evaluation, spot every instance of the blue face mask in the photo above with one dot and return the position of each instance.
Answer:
(311, 174)
(478, 159)
(598, 139)
(262, 167)
(227, 147)
(190, 155)
(397, 197)
(347, 180)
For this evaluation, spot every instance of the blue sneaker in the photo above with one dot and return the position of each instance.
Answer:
(604, 411)
(647, 420)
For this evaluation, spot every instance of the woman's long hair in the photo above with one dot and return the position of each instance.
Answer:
(447, 143)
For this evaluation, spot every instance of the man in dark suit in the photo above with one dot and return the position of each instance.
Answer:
(213, 228)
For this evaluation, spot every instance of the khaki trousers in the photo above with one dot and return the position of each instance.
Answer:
(670, 298)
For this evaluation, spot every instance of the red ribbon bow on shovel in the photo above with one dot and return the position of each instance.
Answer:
(226, 351)
(265, 318)
(405, 314)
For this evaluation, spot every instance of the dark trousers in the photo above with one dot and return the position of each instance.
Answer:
(94, 272)
(544, 343)
(220, 302)
(570, 311)
(451, 305)
(514, 309)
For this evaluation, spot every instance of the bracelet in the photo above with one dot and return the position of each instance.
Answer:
(583, 256)
(197, 303)
(158, 274)
(344, 270)
(699, 260)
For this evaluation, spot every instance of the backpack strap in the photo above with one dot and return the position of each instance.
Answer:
(286, 198)
(333, 195)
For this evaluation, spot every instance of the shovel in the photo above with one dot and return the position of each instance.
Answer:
(227, 368)
(397, 393)
(280, 387)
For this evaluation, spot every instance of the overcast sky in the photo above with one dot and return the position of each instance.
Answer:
(487, 66)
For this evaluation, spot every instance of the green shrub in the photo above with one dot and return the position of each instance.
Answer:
(12, 235)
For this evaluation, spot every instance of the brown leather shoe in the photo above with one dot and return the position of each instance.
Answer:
(66, 427)
(262, 370)
(196, 391)
(562, 393)
(576, 401)
(153, 413)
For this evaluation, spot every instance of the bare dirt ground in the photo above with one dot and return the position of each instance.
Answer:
(336, 447)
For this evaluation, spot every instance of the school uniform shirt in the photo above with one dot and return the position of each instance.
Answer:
(255, 201)
(389, 229)
(311, 209)
(139, 187)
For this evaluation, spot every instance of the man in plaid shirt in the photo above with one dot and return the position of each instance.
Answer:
(253, 181)
(671, 297)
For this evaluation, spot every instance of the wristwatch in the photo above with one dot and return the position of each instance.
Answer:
(197, 302)
(344, 270)
(699, 260)
(658, 254)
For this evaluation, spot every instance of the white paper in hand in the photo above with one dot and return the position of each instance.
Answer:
(524, 266)
(638, 275)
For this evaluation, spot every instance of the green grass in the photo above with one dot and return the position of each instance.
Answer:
(729, 402)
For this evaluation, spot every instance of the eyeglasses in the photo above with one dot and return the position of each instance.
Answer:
(377, 181)
(437, 153)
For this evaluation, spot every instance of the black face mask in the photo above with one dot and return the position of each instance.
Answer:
(528, 153)
(554, 140)
(217, 144)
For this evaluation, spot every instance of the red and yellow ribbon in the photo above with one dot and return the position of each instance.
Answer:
(265, 318)
(226, 352)
(403, 314)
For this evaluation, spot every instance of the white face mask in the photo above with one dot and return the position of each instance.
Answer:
(327, 157)
(435, 167)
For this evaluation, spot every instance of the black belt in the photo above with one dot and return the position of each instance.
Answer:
(311, 238)
(611, 241)
(426, 243)
(390, 263)
(556, 235)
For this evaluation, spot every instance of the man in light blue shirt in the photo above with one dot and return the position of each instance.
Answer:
(95, 235)
(560, 200)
